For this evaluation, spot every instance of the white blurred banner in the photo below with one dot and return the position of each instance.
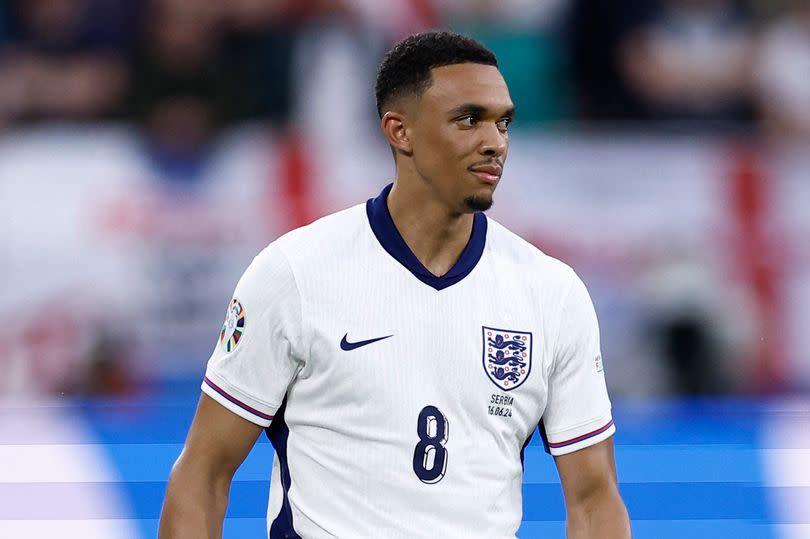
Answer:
(99, 247)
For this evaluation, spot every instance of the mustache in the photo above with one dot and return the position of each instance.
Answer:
(492, 161)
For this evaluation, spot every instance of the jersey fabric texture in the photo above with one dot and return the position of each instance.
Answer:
(398, 402)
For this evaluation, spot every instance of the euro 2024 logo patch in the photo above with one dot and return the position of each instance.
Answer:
(507, 356)
(233, 327)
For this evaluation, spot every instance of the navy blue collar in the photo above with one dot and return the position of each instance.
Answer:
(389, 237)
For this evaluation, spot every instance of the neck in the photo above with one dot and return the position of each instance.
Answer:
(436, 234)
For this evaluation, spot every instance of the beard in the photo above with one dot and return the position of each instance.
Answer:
(476, 203)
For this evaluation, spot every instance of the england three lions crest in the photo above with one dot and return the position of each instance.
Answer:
(507, 356)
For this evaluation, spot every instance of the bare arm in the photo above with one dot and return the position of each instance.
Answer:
(593, 504)
(197, 494)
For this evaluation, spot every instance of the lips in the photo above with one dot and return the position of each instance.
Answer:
(489, 172)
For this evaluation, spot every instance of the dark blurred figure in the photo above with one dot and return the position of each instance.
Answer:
(63, 60)
(207, 65)
(303, 65)
(691, 63)
(259, 42)
(596, 30)
(107, 371)
(4, 22)
(783, 75)
(699, 326)
(687, 346)
(181, 90)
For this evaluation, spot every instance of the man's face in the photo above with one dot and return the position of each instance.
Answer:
(459, 134)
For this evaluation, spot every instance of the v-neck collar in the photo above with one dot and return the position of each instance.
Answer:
(391, 240)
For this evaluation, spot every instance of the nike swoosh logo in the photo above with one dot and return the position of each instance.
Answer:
(347, 346)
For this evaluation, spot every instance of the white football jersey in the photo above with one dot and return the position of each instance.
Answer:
(398, 402)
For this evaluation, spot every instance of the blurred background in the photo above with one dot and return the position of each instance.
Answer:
(149, 149)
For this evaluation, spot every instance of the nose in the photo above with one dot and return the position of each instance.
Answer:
(494, 142)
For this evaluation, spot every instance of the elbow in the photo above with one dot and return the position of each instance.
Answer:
(599, 513)
(196, 495)
(199, 476)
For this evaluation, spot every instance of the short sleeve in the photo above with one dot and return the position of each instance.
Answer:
(255, 358)
(577, 413)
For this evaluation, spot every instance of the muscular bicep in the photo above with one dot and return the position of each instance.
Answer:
(587, 473)
(197, 493)
(593, 505)
(218, 440)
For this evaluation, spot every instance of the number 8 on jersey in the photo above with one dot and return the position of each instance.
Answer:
(430, 455)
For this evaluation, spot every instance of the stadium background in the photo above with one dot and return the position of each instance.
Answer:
(149, 149)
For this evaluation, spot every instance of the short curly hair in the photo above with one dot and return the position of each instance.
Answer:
(406, 67)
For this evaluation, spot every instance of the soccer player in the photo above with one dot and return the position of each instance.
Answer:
(399, 354)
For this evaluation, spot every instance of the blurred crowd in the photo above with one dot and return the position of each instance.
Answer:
(182, 71)
(184, 68)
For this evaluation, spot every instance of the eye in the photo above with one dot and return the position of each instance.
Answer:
(467, 121)
(503, 124)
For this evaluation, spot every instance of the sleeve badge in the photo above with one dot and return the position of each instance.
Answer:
(233, 327)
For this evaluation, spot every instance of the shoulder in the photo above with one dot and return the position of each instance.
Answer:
(311, 242)
(329, 235)
(287, 263)
(507, 248)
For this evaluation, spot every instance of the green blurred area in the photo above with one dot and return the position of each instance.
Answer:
(534, 66)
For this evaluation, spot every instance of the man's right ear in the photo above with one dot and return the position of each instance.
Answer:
(393, 125)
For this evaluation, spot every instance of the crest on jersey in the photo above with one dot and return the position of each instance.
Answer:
(233, 327)
(507, 356)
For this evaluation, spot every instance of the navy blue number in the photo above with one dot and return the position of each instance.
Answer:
(430, 455)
